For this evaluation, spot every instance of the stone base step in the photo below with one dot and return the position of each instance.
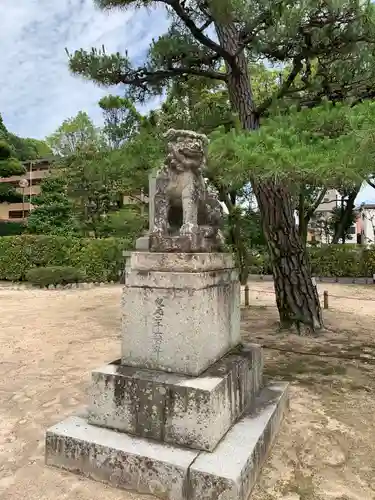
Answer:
(188, 411)
(169, 472)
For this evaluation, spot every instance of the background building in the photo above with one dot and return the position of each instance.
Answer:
(36, 171)
(318, 227)
(368, 223)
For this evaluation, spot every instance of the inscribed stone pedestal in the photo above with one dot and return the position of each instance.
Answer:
(179, 321)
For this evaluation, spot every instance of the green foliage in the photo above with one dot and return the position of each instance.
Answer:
(53, 211)
(10, 228)
(5, 150)
(73, 134)
(9, 166)
(28, 149)
(326, 43)
(3, 129)
(54, 275)
(101, 259)
(97, 172)
(121, 119)
(243, 232)
(129, 222)
(340, 260)
(23, 149)
(327, 145)
(97, 259)
(95, 185)
(327, 261)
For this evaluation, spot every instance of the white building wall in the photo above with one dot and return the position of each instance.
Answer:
(368, 225)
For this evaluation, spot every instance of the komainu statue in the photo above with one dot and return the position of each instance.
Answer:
(187, 215)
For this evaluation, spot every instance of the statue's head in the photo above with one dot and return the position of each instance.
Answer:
(187, 150)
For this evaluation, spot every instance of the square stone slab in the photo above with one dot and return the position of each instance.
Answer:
(169, 472)
(190, 411)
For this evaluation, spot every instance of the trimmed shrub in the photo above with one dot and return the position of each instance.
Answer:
(54, 275)
(338, 261)
(18, 254)
(11, 228)
(99, 259)
(352, 261)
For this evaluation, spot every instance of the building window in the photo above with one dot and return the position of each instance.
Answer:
(352, 230)
(18, 214)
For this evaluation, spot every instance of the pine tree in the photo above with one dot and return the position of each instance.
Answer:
(295, 33)
(53, 212)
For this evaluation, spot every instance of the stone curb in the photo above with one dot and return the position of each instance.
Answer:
(319, 279)
(81, 286)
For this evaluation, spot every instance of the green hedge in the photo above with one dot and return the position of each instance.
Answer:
(328, 260)
(102, 259)
(9, 228)
(99, 259)
(54, 275)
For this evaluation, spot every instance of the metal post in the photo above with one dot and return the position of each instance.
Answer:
(325, 299)
(30, 184)
(247, 296)
(23, 184)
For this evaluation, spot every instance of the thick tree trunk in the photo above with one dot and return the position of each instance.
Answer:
(296, 296)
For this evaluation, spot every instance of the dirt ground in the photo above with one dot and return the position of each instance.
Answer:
(50, 340)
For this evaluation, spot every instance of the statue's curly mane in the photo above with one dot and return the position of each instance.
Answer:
(186, 150)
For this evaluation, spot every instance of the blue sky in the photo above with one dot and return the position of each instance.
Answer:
(37, 92)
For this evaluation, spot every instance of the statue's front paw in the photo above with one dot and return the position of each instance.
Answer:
(158, 231)
(188, 228)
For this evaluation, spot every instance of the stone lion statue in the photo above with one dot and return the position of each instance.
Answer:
(182, 204)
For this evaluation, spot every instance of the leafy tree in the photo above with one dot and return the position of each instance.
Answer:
(95, 185)
(28, 149)
(129, 222)
(341, 222)
(121, 119)
(282, 31)
(327, 144)
(24, 149)
(3, 129)
(53, 212)
(9, 165)
(74, 133)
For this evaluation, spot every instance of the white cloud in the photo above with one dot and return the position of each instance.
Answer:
(37, 92)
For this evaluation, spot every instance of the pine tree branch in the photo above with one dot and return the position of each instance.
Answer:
(339, 94)
(196, 31)
(317, 202)
(265, 20)
(296, 68)
(141, 77)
